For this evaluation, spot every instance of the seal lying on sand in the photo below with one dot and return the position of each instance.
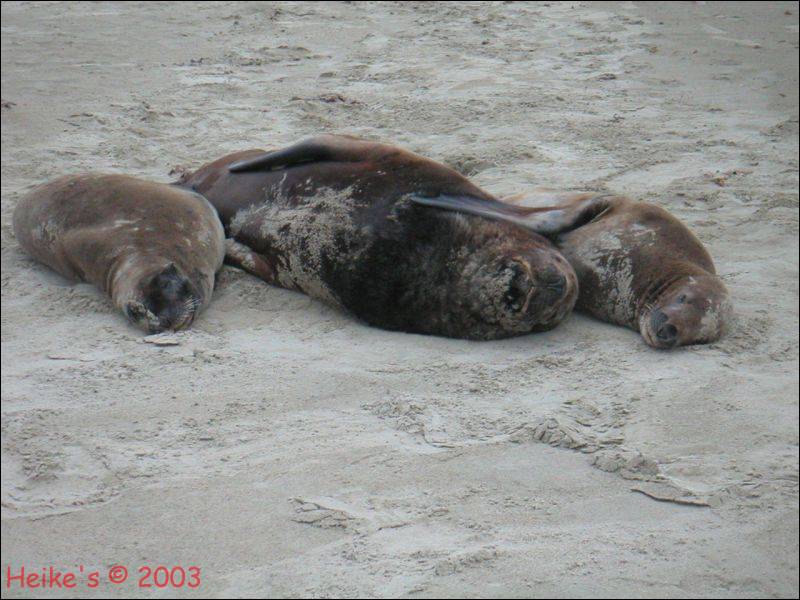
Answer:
(152, 247)
(331, 217)
(638, 266)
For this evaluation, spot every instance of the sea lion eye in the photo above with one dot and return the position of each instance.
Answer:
(681, 298)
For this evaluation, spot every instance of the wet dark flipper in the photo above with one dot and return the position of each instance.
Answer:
(317, 149)
(545, 220)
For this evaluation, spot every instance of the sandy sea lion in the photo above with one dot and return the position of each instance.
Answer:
(152, 247)
(331, 217)
(637, 265)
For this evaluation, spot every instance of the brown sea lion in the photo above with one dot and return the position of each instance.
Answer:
(637, 265)
(331, 217)
(152, 247)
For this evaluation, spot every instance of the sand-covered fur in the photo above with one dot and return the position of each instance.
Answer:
(331, 217)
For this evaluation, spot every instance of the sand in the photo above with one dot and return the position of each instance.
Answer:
(289, 450)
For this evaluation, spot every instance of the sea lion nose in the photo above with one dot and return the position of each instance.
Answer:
(666, 333)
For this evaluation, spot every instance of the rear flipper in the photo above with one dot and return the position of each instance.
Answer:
(321, 148)
(545, 220)
(241, 256)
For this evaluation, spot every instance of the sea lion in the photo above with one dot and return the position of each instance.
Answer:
(637, 265)
(152, 247)
(330, 217)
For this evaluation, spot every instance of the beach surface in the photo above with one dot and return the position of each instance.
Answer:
(286, 449)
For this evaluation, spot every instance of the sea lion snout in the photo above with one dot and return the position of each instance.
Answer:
(555, 291)
(544, 291)
(169, 301)
(666, 334)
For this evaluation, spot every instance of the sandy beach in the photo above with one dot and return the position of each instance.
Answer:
(284, 448)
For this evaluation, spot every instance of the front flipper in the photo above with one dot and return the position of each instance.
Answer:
(317, 149)
(545, 220)
(243, 257)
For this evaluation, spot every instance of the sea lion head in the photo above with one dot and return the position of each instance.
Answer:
(160, 299)
(519, 286)
(694, 310)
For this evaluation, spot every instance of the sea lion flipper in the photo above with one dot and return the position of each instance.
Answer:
(245, 258)
(316, 149)
(293, 155)
(545, 220)
(492, 209)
